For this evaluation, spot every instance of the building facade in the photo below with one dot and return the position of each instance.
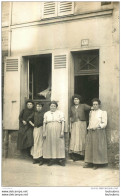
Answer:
(60, 48)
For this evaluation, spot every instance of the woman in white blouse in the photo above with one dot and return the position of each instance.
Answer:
(53, 133)
(96, 143)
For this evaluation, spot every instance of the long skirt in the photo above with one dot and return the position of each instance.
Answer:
(37, 148)
(96, 147)
(25, 137)
(54, 146)
(78, 137)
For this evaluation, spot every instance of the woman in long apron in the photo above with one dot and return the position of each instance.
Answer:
(78, 128)
(36, 120)
(53, 133)
(96, 142)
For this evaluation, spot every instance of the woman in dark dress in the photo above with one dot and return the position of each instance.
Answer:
(25, 133)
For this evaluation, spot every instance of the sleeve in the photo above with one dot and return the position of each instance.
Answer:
(41, 121)
(89, 119)
(103, 123)
(21, 115)
(71, 113)
(62, 118)
(87, 107)
(31, 117)
(45, 118)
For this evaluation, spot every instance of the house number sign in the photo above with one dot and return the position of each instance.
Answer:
(84, 42)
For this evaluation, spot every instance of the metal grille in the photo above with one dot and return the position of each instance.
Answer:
(49, 8)
(60, 61)
(86, 63)
(12, 65)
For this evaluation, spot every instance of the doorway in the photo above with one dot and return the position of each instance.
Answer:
(87, 86)
(86, 74)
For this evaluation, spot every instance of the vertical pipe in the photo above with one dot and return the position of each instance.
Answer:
(10, 31)
(32, 84)
(28, 79)
(5, 149)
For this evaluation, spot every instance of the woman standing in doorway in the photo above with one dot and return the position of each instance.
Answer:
(78, 128)
(25, 133)
(53, 133)
(96, 143)
(36, 120)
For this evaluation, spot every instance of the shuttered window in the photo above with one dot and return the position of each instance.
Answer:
(12, 65)
(59, 61)
(49, 9)
(54, 9)
(65, 8)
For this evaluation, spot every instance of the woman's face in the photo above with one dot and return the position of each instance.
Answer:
(53, 107)
(29, 105)
(39, 107)
(76, 101)
(95, 105)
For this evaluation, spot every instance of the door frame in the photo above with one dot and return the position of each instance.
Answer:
(71, 70)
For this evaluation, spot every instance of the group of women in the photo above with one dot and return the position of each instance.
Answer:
(43, 133)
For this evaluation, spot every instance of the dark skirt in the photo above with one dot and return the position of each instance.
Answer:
(25, 137)
(96, 147)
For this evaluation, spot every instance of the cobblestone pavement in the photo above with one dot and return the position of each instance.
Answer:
(21, 172)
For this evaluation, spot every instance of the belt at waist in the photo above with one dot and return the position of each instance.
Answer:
(53, 121)
(79, 120)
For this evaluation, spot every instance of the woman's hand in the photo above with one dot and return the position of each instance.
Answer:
(62, 135)
(24, 122)
(44, 137)
(32, 124)
(96, 127)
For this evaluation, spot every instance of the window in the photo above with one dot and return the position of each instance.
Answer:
(54, 9)
(49, 9)
(40, 77)
(65, 8)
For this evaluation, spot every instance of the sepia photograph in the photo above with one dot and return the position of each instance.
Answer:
(60, 94)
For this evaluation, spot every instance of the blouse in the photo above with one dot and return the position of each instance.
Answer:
(56, 116)
(97, 119)
(37, 118)
(79, 112)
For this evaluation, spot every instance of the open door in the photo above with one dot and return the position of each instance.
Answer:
(86, 74)
(11, 93)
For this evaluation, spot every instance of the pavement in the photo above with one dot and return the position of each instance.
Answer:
(22, 173)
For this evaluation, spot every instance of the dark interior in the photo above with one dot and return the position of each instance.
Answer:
(39, 75)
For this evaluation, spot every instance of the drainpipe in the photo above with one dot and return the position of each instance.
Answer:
(6, 132)
(10, 31)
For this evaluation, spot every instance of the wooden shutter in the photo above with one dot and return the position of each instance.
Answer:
(11, 93)
(65, 8)
(59, 61)
(49, 9)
